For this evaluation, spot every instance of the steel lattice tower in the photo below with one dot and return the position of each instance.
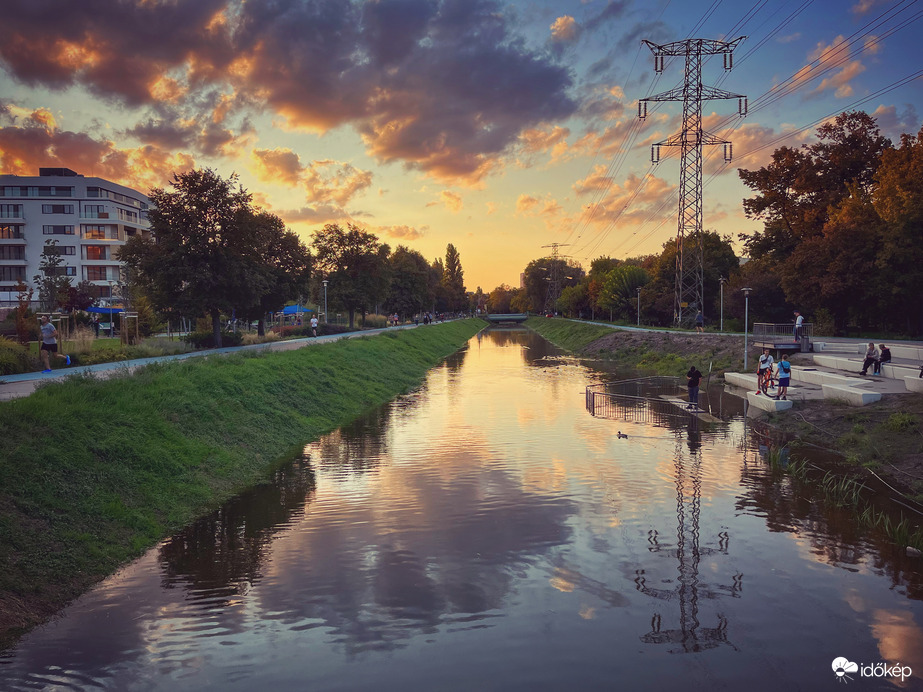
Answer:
(554, 281)
(689, 287)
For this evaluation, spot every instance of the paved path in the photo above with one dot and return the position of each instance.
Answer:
(15, 386)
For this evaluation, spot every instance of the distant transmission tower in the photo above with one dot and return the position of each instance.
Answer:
(689, 287)
(554, 281)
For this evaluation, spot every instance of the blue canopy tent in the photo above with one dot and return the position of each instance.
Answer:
(295, 309)
(105, 311)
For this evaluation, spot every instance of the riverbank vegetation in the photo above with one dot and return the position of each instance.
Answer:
(96, 471)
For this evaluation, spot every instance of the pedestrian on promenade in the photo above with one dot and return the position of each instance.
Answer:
(764, 372)
(884, 356)
(871, 357)
(314, 326)
(693, 377)
(700, 322)
(95, 324)
(784, 372)
(798, 329)
(49, 345)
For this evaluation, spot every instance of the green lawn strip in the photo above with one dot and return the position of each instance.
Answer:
(571, 336)
(95, 471)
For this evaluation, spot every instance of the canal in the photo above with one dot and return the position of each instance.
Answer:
(486, 532)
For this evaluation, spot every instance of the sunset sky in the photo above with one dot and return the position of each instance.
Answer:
(499, 127)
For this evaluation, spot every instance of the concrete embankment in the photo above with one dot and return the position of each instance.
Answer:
(94, 471)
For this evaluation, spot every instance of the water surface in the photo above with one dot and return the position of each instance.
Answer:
(487, 532)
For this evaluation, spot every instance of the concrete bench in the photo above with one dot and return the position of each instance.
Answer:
(913, 384)
(852, 395)
(802, 374)
(765, 403)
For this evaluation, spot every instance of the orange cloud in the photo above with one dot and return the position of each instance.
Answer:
(565, 29)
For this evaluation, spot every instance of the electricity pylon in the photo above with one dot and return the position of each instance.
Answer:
(689, 286)
(554, 281)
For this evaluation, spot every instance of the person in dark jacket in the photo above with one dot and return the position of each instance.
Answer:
(693, 377)
(884, 356)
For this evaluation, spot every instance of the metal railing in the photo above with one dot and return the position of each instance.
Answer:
(637, 400)
(784, 333)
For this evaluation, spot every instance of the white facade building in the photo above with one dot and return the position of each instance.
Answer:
(91, 218)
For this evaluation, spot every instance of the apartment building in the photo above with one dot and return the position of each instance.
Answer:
(91, 218)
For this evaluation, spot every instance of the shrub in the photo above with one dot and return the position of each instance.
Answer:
(82, 340)
(15, 358)
(202, 339)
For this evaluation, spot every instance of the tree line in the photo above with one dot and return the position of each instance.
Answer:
(841, 241)
(213, 253)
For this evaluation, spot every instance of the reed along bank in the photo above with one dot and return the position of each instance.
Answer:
(93, 472)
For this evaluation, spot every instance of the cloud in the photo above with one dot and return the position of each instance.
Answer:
(402, 232)
(324, 182)
(452, 201)
(565, 29)
(442, 87)
(40, 143)
(636, 200)
(893, 123)
(826, 58)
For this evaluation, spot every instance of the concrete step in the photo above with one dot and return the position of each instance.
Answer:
(765, 403)
(814, 376)
(913, 384)
(853, 395)
(854, 365)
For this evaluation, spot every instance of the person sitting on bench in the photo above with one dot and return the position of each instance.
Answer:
(883, 358)
(871, 357)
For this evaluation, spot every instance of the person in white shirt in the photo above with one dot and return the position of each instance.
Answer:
(764, 372)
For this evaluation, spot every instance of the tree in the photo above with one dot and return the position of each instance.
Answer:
(498, 302)
(356, 266)
(453, 280)
(538, 274)
(206, 254)
(80, 297)
(410, 291)
(619, 290)
(52, 282)
(898, 200)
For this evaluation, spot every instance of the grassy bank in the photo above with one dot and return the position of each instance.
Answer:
(651, 352)
(96, 471)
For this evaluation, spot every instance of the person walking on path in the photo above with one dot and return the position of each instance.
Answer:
(884, 357)
(799, 326)
(95, 324)
(871, 357)
(693, 377)
(314, 326)
(700, 322)
(49, 345)
(784, 372)
(764, 372)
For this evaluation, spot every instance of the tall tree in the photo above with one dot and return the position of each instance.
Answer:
(356, 266)
(52, 281)
(204, 256)
(410, 291)
(453, 280)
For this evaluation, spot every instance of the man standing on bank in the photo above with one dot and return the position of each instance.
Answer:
(50, 344)
(799, 326)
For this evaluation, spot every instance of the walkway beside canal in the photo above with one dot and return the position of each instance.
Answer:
(16, 386)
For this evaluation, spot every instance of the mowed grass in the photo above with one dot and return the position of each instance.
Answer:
(567, 334)
(96, 471)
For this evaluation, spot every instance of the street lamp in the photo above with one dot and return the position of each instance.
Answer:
(325, 301)
(638, 289)
(746, 317)
(722, 280)
(111, 321)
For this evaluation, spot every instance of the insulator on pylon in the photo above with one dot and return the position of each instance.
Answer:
(742, 105)
(728, 152)
(658, 64)
(728, 61)
(642, 109)
(655, 153)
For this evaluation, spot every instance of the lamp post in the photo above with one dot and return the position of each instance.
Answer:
(722, 281)
(746, 317)
(638, 289)
(111, 321)
(325, 301)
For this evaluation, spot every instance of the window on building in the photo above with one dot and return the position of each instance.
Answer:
(94, 232)
(60, 250)
(126, 215)
(9, 231)
(62, 271)
(95, 211)
(12, 273)
(57, 208)
(96, 273)
(58, 230)
(95, 252)
(12, 252)
(10, 211)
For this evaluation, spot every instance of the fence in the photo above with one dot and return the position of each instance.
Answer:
(778, 334)
(638, 401)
